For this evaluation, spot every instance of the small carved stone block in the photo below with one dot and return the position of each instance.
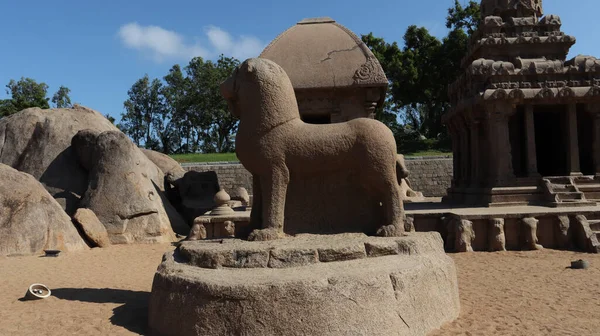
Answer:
(563, 232)
(464, 236)
(197, 232)
(530, 240)
(497, 239)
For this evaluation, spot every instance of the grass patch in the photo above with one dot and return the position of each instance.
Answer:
(429, 153)
(201, 157)
(229, 157)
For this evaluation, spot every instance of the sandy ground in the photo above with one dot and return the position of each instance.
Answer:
(105, 292)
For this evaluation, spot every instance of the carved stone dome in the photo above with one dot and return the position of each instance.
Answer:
(320, 53)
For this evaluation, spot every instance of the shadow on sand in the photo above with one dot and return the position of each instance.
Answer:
(132, 315)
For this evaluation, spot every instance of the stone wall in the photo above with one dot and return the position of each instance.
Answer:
(431, 176)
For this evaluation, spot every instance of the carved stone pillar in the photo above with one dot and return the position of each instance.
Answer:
(455, 153)
(464, 154)
(572, 141)
(475, 156)
(484, 151)
(532, 170)
(594, 110)
(501, 170)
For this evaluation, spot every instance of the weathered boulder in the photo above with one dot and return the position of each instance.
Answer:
(165, 163)
(56, 146)
(173, 174)
(38, 142)
(91, 226)
(195, 192)
(83, 144)
(125, 192)
(30, 219)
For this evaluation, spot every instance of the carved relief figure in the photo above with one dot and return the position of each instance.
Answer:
(464, 236)
(229, 229)
(409, 224)
(530, 240)
(497, 240)
(273, 143)
(406, 191)
(197, 232)
(563, 232)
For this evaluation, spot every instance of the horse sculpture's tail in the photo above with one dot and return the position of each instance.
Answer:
(401, 171)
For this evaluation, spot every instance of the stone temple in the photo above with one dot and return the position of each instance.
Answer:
(335, 76)
(525, 122)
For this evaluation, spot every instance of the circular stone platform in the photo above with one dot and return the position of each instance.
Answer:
(346, 284)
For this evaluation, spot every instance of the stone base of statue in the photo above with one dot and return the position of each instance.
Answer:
(346, 284)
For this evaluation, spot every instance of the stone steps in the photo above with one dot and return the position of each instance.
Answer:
(561, 188)
(570, 196)
(591, 234)
(589, 186)
(559, 179)
(585, 180)
(593, 216)
(572, 204)
(563, 191)
(594, 224)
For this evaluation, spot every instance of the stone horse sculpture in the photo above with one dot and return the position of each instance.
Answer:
(273, 143)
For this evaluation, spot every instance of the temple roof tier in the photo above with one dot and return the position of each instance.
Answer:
(511, 8)
(545, 95)
(506, 48)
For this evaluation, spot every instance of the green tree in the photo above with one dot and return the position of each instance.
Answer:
(386, 54)
(466, 18)
(186, 113)
(421, 70)
(179, 135)
(6, 107)
(110, 118)
(144, 104)
(27, 93)
(206, 108)
(61, 98)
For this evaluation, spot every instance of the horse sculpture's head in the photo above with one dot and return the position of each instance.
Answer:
(259, 88)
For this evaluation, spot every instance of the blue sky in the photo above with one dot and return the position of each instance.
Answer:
(100, 48)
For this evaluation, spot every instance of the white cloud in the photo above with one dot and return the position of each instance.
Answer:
(162, 44)
(241, 48)
(219, 38)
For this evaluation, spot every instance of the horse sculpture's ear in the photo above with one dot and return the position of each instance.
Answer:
(250, 65)
(228, 87)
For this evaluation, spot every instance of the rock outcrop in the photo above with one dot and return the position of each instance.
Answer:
(38, 142)
(125, 191)
(61, 149)
(31, 220)
(165, 163)
(91, 227)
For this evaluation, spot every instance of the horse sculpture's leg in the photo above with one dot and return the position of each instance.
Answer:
(274, 189)
(394, 210)
(256, 213)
